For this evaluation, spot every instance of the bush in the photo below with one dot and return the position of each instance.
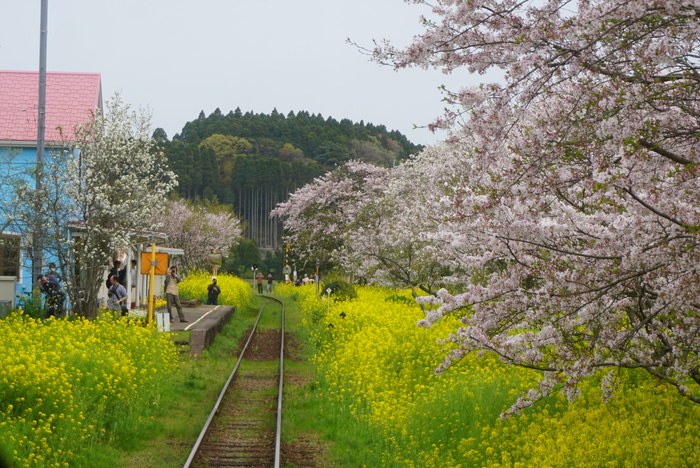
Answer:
(341, 290)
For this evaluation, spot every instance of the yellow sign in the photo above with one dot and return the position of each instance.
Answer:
(161, 263)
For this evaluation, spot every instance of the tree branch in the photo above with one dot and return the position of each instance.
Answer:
(665, 153)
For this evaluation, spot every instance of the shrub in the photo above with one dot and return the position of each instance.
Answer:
(341, 290)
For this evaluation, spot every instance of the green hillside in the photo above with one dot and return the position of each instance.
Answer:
(253, 161)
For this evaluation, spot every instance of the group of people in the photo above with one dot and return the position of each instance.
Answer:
(118, 295)
(302, 280)
(260, 278)
(49, 285)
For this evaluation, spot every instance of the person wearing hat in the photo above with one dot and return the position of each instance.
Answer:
(171, 294)
(52, 273)
(213, 291)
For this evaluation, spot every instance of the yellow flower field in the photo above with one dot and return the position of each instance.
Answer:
(376, 366)
(65, 383)
(234, 291)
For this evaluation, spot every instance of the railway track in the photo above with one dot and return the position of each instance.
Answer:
(244, 427)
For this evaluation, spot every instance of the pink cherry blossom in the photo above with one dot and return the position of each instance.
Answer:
(561, 217)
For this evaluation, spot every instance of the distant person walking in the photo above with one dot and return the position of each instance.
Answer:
(213, 291)
(260, 278)
(269, 282)
(171, 294)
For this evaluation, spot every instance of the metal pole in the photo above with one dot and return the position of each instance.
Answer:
(152, 279)
(318, 264)
(37, 241)
(286, 269)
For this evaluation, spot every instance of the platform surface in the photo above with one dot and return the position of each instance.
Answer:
(204, 322)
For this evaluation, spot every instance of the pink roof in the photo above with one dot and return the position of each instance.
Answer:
(69, 99)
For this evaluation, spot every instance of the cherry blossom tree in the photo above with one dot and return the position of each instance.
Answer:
(390, 240)
(575, 222)
(318, 216)
(200, 229)
(348, 214)
(372, 221)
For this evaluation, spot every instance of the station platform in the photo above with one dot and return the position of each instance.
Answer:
(204, 322)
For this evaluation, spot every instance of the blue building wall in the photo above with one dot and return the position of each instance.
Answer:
(23, 161)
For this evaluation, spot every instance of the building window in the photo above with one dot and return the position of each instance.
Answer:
(9, 255)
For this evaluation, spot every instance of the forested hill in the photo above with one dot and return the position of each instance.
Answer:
(324, 140)
(253, 161)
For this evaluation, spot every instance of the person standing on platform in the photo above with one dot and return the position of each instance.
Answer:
(134, 273)
(171, 294)
(213, 291)
(269, 282)
(119, 272)
(259, 278)
(117, 296)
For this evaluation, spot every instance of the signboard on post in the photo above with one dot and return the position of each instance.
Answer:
(161, 263)
(216, 259)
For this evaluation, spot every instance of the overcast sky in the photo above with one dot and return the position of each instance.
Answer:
(180, 57)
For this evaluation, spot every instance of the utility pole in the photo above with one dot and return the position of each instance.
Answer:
(37, 238)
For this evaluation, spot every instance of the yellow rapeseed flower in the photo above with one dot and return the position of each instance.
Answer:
(377, 366)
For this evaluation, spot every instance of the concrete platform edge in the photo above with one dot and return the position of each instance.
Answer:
(202, 336)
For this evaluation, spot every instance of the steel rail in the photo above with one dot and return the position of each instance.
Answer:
(280, 391)
(203, 432)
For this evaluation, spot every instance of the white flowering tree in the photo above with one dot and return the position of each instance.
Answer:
(370, 220)
(391, 240)
(318, 215)
(111, 186)
(200, 229)
(581, 186)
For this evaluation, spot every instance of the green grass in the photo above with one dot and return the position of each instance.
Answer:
(344, 441)
(339, 440)
(271, 315)
(167, 440)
